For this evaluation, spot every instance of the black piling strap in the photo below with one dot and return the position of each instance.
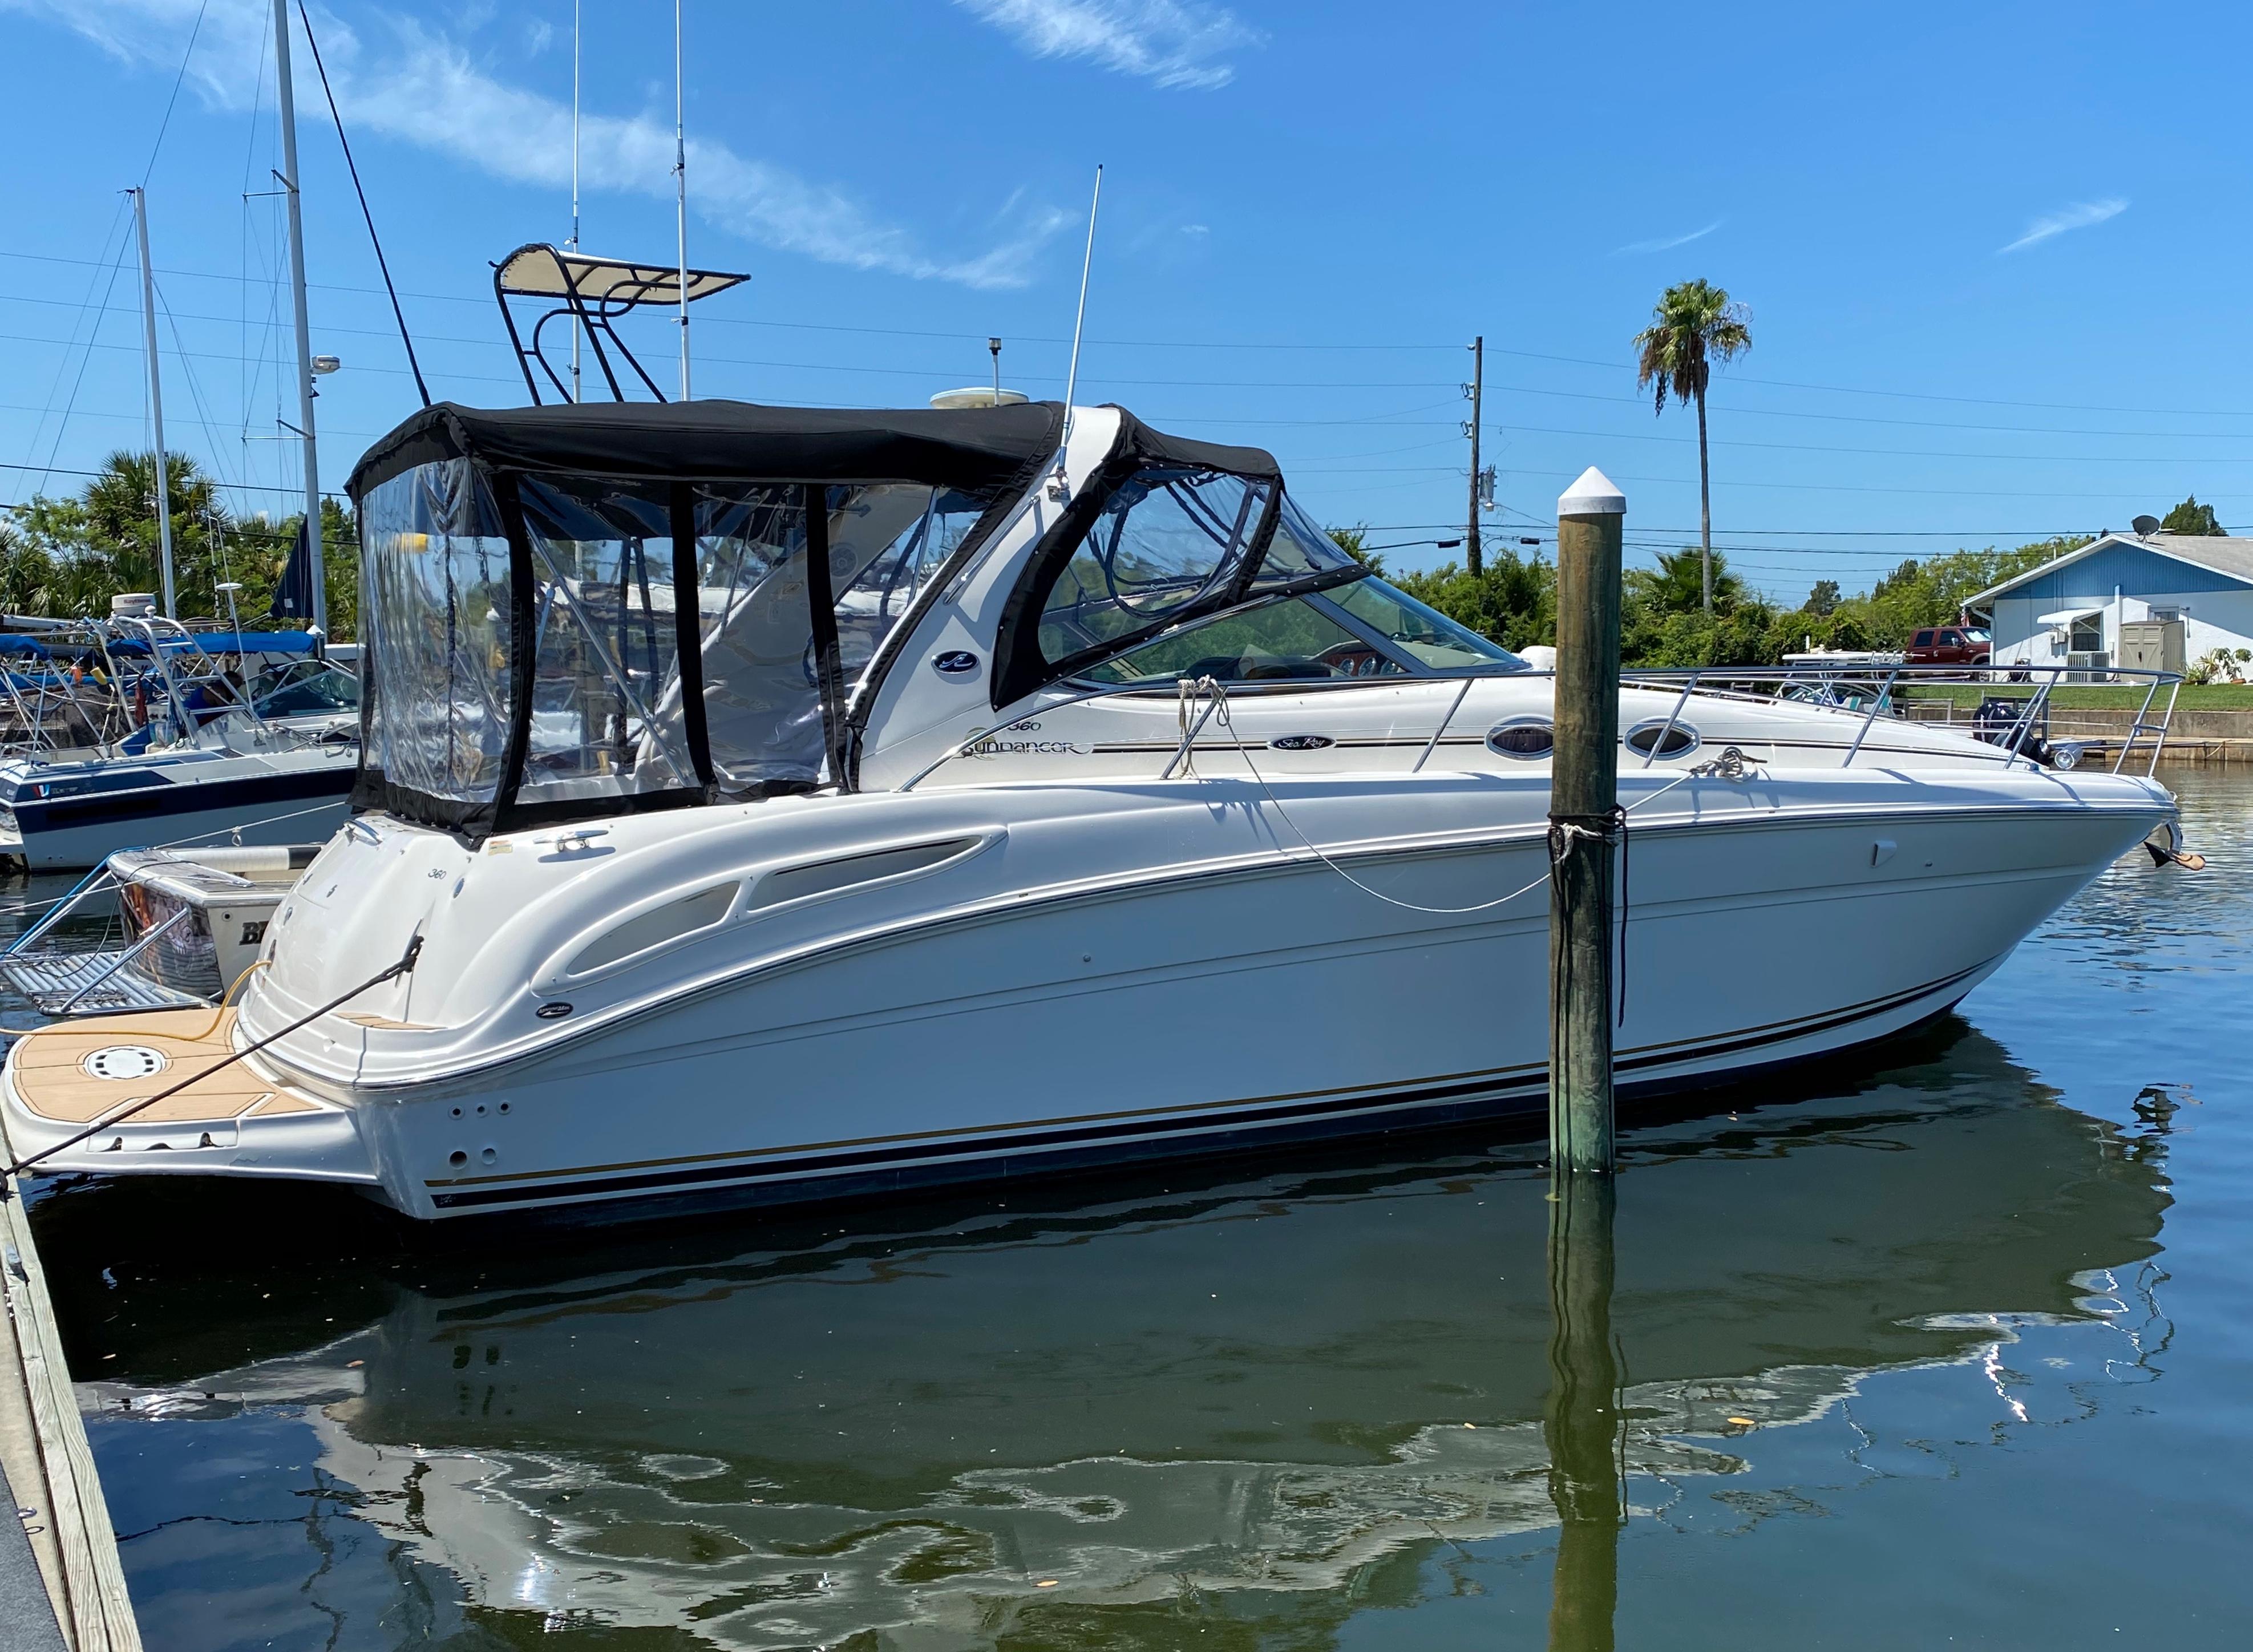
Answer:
(405, 965)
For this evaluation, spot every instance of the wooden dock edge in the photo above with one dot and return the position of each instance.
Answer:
(49, 1462)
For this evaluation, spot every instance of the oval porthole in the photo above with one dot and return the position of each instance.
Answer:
(1657, 739)
(1526, 738)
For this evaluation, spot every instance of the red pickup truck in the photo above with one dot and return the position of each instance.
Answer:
(1949, 645)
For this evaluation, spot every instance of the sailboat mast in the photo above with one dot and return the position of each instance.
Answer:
(289, 106)
(156, 403)
(680, 194)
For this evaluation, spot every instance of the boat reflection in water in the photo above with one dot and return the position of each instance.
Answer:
(1275, 1400)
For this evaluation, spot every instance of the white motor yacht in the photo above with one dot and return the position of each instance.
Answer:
(779, 804)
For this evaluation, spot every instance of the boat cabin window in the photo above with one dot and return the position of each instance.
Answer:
(435, 618)
(1423, 634)
(1280, 642)
(1169, 536)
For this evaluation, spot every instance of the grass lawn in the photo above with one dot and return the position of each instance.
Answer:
(2214, 697)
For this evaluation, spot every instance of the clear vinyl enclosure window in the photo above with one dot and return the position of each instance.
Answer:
(761, 683)
(1170, 536)
(607, 718)
(435, 615)
(605, 666)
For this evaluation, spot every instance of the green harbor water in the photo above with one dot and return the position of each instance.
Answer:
(1949, 1343)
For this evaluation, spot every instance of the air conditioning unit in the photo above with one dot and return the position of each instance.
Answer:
(2092, 667)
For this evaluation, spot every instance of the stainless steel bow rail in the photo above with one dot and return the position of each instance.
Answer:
(1869, 690)
(1862, 693)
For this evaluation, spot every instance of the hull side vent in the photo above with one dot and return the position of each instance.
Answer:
(657, 927)
(826, 878)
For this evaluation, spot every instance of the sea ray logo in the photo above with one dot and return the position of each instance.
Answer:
(955, 662)
(1301, 743)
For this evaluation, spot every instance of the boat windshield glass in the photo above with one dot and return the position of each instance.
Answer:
(1169, 536)
(434, 615)
(1280, 641)
(1299, 549)
(1424, 634)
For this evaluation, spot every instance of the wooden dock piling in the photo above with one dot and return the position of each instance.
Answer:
(1583, 803)
(50, 1466)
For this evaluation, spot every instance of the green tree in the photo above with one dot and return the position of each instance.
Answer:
(1353, 541)
(1684, 580)
(1824, 597)
(1694, 324)
(1511, 600)
(2191, 517)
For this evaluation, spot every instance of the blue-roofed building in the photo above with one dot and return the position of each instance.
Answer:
(2073, 610)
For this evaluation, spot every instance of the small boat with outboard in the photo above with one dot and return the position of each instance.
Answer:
(768, 803)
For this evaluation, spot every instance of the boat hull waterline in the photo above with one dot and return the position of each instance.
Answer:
(1159, 968)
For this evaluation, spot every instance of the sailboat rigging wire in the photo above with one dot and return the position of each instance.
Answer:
(374, 240)
(172, 103)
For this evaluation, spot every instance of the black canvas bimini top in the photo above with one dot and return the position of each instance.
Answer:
(971, 448)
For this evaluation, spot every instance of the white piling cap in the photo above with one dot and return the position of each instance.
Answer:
(1594, 494)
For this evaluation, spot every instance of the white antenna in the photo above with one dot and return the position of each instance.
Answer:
(1057, 487)
(680, 195)
(576, 7)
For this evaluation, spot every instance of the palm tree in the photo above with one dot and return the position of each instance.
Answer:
(1693, 325)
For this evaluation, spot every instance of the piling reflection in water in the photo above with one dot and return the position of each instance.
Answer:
(1273, 1400)
(1581, 1424)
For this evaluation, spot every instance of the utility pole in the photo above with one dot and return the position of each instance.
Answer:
(1584, 825)
(316, 563)
(1473, 557)
(993, 346)
(156, 403)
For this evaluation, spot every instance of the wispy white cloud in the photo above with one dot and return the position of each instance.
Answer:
(2080, 215)
(1168, 41)
(425, 88)
(1665, 243)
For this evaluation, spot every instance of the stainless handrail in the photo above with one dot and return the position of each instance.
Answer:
(125, 958)
(1722, 682)
(60, 910)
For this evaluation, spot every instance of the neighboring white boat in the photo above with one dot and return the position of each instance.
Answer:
(704, 905)
(192, 921)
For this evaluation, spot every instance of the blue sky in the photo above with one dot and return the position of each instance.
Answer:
(1994, 253)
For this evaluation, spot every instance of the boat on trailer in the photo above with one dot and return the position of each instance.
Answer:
(773, 804)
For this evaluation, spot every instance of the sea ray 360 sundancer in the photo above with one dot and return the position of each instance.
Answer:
(791, 803)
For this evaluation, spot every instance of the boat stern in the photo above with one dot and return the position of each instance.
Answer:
(230, 1120)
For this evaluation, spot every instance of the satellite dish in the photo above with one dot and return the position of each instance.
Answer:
(978, 395)
(2146, 526)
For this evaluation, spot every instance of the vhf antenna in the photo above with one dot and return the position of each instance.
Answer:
(1058, 487)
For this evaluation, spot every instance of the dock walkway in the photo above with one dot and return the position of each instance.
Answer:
(61, 1582)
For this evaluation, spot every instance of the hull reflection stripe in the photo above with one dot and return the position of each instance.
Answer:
(1268, 1117)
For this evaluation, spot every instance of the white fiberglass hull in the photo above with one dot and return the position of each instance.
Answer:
(1091, 973)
